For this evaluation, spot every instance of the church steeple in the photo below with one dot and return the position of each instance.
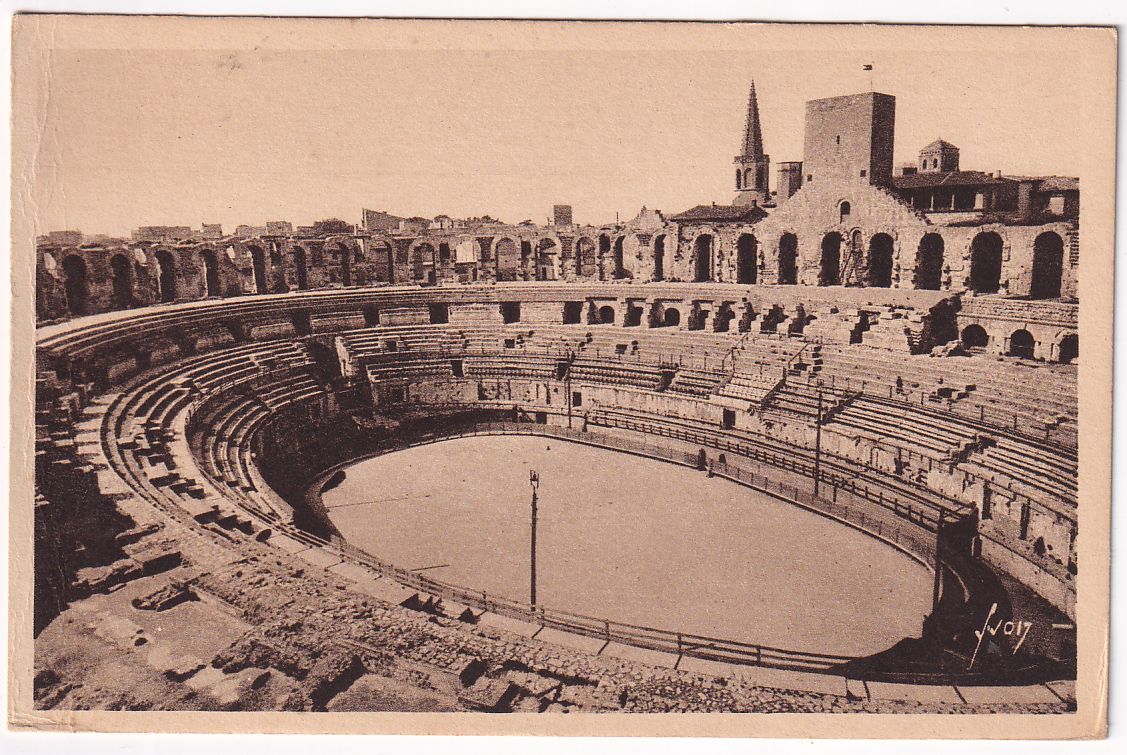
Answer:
(752, 166)
(753, 136)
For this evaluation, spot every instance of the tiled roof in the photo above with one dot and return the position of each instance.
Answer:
(721, 213)
(951, 178)
(938, 144)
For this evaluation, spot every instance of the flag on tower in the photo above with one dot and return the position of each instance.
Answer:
(868, 67)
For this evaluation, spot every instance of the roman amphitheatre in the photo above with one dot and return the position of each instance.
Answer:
(789, 454)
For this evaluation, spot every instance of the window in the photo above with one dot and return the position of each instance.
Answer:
(576, 398)
(846, 209)
(864, 173)
(839, 139)
(809, 177)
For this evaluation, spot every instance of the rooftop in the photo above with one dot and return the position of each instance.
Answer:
(721, 212)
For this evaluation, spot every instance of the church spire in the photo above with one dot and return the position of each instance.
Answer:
(751, 164)
(753, 135)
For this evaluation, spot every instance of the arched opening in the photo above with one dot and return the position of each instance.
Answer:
(604, 253)
(844, 210)
(508, 260)
(345, 256)
(422, 262)
(258, 260)
(746, 259)
(671, 317)
(619, 266)
(739, 179)
(1048, 264)
(1021, 344)
(302, 269)
(702, 258)
(211, 273)
(829, 274)
(166, 276)
(975, 337)
(546, 260)
(606, 315)
(659, 258)
(1069, 349)
(585, 258)
(788, 259)
(986, 263)
(122, 281)
(879, 271)
(526, 263)
(929, 262)
(76, 285)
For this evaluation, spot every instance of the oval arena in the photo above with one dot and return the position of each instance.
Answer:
(789, 461)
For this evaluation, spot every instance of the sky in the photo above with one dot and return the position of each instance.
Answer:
(242, 132)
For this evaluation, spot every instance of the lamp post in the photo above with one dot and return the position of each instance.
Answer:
(818, 443)
(534, 481)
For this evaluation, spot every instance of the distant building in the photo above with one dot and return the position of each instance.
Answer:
(414, 225)
(561, 215)
(379, 221)
(278, 228)
(250, 230)
(65, 238)
(331, 227)
(211, 231)
(162, 233)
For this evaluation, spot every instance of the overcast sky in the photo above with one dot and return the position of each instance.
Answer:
(250, 129)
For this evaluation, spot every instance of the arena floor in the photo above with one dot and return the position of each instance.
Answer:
(633, 540)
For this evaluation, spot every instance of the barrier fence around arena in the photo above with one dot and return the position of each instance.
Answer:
(856, 512)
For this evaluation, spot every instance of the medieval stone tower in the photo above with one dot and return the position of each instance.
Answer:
(752, 166)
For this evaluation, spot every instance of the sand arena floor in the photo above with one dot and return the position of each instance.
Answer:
(634, 540)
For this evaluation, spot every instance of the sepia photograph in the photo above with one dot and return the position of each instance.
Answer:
(552, 369)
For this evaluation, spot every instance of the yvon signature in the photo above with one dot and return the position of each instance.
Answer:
(1018, 629)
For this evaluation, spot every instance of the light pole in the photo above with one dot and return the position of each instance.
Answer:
(818, 443)
(534, 481)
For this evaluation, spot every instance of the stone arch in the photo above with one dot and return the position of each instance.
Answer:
(76, 284)
(788, 259)
(585, 266)
(619, 257)
(844, 210)
(604, 253)
(422, 261)
(166, 275)
(1048, 266)
(986, 263)
(670, 317)
(829, 272)
(1022, 344)
(929, 262)
(975, 337)
(258, 263)
(739, 179)
(344, 255)
(212, 285)
(747, 259)
(122, 273)
(878, 272)
(606, 315)
(301, 267)
(547, 250)
(1068, 350)
(659, 257)
(702, 258)
(507, 256)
